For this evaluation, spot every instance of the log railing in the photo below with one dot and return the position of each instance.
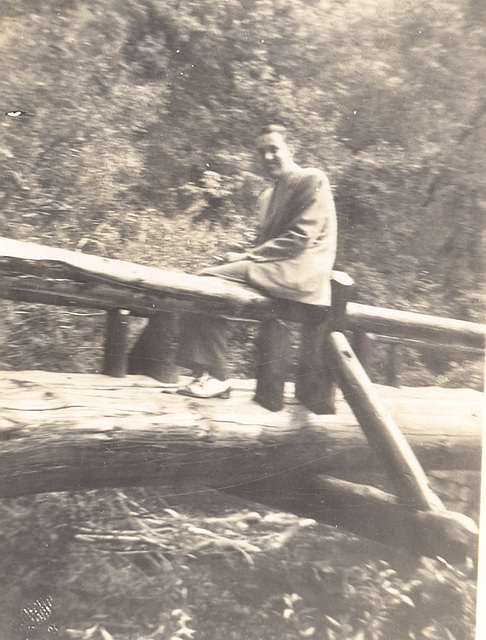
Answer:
(395, 328)
(39, 274)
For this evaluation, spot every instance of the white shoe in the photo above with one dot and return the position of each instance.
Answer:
(207, 387)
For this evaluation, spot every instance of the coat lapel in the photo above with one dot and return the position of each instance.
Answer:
(276, 214)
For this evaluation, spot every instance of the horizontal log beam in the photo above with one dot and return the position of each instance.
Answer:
(95, 295)
(50, 275)
(64, 293)
(415, 326)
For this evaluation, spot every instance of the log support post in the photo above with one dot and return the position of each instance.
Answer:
(392, 364)
(342, 287)
(116, 343)
(273, 354)
(434, 529)
(154, 353)
(363, 348)
(315, 384)
(368, 512)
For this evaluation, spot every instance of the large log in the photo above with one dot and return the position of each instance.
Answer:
(72, 431)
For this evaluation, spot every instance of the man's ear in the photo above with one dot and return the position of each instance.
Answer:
(292, 147)
(292, 150)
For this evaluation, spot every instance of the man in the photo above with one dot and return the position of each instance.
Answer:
(292, 258)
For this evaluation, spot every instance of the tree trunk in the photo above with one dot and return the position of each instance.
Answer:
(65, 432)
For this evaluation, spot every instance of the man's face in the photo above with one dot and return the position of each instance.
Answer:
(275, 156)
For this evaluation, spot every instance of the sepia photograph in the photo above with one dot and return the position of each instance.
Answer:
(242, 284)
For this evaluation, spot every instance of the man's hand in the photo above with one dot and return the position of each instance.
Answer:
(235, 256)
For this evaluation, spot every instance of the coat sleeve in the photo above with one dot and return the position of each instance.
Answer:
(311, 207)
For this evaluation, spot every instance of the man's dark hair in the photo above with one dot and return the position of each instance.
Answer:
(277, 127)
(273, 128)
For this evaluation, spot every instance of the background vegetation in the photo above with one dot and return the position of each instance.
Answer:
(135, 141)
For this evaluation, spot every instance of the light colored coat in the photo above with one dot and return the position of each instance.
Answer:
(296, 242)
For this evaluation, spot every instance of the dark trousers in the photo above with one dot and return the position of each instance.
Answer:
(204, 339)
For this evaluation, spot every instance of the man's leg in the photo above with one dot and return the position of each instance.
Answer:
(203, 344)
(204, 339)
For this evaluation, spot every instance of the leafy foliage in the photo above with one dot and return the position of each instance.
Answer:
(137, 119)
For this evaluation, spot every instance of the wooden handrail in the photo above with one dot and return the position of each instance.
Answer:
(415, 326)
(47, 275)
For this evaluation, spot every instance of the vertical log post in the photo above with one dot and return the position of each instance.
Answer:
(342, 287)
(362, 347)
(116, 343)
(315, 383)
(392, 362)
(154, 353)
(273, 356)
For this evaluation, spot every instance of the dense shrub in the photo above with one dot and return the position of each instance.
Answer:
(135, 137)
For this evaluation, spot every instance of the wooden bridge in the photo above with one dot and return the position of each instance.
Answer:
(278, 445)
